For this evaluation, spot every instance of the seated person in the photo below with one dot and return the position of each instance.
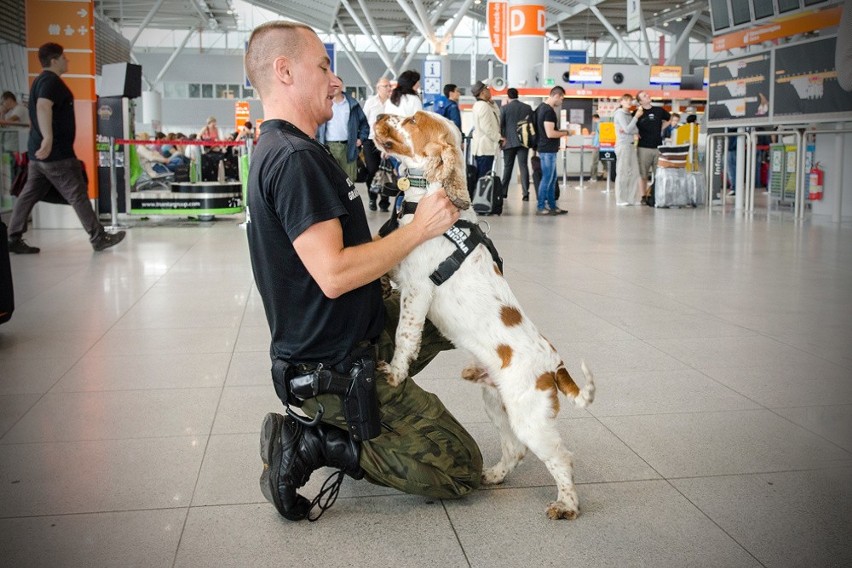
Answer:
(153, 163)
(11, 111)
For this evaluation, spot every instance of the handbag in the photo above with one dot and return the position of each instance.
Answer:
(52, 195)
(362, 173)
(384, 182)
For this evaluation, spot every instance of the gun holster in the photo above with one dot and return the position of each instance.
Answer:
(296, 383)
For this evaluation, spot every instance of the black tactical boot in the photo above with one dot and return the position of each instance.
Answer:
(291, 451)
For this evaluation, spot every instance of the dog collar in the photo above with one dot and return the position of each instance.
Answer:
(407, 182)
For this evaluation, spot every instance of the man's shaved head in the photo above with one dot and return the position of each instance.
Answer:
(268, 42)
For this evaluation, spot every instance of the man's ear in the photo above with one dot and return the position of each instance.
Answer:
(282, 68)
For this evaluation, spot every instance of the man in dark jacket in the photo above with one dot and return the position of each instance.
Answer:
(448, 105)
(511, 114)
(345, 132)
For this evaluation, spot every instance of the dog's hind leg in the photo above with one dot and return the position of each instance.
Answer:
(414, 305)
(536, 427)
(513, 451)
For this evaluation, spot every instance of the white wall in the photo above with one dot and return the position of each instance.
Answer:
(825, 155)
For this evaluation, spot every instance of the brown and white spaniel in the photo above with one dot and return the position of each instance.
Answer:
(520, 371)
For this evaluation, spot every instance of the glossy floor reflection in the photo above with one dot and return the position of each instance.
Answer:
(133, 383)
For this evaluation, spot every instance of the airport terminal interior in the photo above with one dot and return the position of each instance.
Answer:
(133, 381)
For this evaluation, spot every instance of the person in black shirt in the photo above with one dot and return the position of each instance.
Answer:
(317, 270)
(548, 145)
(650, 125)
(51, 153)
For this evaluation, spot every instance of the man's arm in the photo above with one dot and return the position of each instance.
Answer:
(551, 131)
(338, 269)
(44, 112)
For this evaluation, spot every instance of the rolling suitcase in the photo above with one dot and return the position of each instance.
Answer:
(7, 294)
(488, 197)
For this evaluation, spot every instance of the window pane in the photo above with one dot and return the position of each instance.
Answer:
(206, 91)
(175, 90)
(248, 93)
(194, 91)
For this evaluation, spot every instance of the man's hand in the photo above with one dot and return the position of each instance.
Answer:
(639, 112)
(435, 214)
(44, 150)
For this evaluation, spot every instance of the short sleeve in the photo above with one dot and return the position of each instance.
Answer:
(305, 191)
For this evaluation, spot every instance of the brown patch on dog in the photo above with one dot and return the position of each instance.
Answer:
(505, 353)
(497, 270)
(547, 382)
(510, 316)
(565, 383)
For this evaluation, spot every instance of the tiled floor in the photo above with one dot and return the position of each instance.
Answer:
(133, 383)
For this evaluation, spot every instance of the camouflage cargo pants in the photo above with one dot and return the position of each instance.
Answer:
(426, 452)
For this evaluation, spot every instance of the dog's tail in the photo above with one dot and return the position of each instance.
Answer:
(582, 397)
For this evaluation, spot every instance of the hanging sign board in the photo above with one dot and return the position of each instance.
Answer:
(496, 22)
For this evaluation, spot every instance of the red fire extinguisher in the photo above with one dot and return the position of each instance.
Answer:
(815, 182)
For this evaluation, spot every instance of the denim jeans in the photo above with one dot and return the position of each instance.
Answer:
(547, 187)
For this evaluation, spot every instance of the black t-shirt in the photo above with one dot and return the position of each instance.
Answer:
(650, 126)
(50, 86)
(546, 113)
(294, 183)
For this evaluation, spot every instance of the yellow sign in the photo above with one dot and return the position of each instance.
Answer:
(607, 131)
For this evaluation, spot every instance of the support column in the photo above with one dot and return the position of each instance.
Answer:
(526, 41)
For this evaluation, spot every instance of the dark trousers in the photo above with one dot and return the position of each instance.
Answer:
(509, 155)
(483, 165)
(67, 177)
(372, 159)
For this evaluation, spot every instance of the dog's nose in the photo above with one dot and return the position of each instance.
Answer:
(381, 116)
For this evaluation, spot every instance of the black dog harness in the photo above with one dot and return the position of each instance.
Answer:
(465, 243)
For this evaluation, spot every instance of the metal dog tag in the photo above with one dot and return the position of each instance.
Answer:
(403, 183)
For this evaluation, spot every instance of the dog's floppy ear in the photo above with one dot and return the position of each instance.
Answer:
(446, 166)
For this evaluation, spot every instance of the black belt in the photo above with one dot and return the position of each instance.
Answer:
(362, 348)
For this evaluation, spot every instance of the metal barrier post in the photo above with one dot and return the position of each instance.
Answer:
(113, 188)
(580, 187)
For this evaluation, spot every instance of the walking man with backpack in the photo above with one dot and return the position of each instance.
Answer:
(514, 116)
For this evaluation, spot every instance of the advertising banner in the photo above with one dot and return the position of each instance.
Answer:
(496, 22)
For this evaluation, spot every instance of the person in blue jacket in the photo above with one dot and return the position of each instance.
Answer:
(345, 132)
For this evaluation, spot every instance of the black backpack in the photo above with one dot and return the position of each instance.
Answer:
(527, 134)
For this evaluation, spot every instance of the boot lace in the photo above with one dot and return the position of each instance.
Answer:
(327, 495)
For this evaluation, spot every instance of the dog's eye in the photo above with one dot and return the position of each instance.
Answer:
(388, 145)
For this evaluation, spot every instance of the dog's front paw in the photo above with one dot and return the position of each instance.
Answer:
(393, 377)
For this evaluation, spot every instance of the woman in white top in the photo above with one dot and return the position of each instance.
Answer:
(626, 164)
(404, 99)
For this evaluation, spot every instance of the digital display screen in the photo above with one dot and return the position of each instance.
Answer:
(719, 14)
(763, 9)
(741, 12)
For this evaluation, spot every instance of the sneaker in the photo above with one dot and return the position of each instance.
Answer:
(20, 246)
(542, 212)
(382, 208)
(557, 211)
(106, 240)
(372, 206)
(525, 198)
